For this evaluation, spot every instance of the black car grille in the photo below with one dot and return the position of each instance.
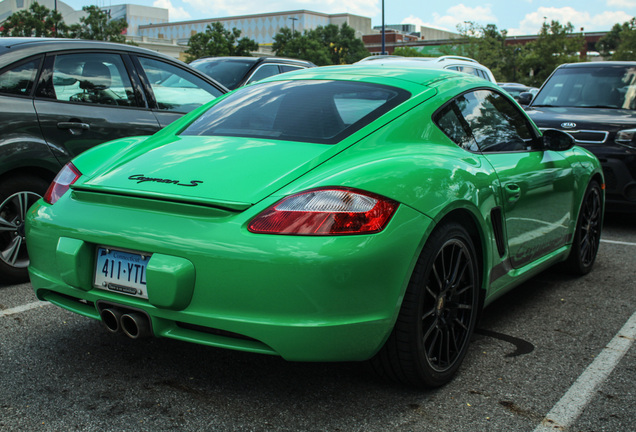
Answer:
(589, 136)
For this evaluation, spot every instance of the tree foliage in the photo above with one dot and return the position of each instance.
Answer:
(96, 25)
(216, 40)
(531, 63)
(487, 45)
(38, 21)
(555, 45)
(620, 42)
(407, 52)
(328, 45)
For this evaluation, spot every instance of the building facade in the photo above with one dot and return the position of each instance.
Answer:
(261, 27)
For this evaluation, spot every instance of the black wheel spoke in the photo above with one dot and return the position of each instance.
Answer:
(451, 288)
(13, 213)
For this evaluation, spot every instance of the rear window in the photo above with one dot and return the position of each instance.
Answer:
(309, 111)
(590, 87)
(228, 72)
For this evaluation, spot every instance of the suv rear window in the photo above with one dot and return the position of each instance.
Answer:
(309, 111)
(603, 86)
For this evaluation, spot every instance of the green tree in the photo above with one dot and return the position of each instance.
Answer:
(38, 21)
(341, 42)
(97, 25)
(300, 47)
(555, 45)
(326, 45)
(407, 52)
(216, 40)
(620, 42)
(487, 45)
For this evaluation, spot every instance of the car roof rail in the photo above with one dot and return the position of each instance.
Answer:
(453, 57)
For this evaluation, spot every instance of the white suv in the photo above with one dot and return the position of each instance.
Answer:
(456, 63)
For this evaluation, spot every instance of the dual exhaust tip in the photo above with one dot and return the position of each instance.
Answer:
(135, 325)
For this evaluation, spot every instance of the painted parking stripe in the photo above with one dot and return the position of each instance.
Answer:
(23, 308)
(618, 242)
(572, 404)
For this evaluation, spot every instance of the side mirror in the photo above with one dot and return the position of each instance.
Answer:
(524, 98)
(557, 140)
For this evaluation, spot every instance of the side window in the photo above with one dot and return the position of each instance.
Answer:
(289, 68)
(263, 72)
(452, 123)
(92, 79)
(496, 124)
(176, 89)
(19, 80)
(490, 119)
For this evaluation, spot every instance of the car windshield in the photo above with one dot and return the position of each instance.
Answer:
(590, 87)
(228, 72)
(309, 111)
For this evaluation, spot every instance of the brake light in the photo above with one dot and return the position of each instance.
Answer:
(326, 211)
(62, 182)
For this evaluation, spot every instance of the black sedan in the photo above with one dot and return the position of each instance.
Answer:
(60, 97)
(234, 72)
(596, 103)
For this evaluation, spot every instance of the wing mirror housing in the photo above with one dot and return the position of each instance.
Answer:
(556, 140)
(525, 98)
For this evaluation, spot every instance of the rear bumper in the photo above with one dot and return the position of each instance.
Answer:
(303, 298)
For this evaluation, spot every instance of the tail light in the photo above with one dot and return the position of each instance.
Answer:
(62, 182)
(326, 211)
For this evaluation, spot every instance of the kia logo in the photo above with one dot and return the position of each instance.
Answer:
(568, 125)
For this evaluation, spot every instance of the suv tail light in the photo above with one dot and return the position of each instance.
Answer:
(62, 182)
(326, 211)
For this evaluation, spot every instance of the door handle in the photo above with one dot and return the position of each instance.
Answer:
(513, 192)
(75, 128)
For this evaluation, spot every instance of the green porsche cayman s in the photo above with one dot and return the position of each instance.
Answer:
(331, 214)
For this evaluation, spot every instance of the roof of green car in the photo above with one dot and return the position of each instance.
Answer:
(376, 73)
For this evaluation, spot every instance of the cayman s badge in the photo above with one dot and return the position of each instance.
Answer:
(140, 178)
(568, 125)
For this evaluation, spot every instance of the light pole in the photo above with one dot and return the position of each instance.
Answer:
(293, 20)
(383, 28)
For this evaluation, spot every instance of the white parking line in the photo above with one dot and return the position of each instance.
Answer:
(569, 408)
(618, 242)
(23, 308)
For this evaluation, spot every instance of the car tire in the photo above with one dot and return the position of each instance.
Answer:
(587, 235)
(17, 194)
(438, 314)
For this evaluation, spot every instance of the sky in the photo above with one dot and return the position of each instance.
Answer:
(519, 17)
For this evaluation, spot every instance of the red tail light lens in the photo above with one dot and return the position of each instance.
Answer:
(326, 211)
(62, 182)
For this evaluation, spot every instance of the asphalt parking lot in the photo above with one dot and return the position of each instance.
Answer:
(555, 354)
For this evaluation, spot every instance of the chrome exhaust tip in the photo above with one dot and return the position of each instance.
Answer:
(135, 325)
(111, 319)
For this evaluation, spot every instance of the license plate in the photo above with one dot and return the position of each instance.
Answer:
(121, 271)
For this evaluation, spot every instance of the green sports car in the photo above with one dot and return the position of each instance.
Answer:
(331, 214)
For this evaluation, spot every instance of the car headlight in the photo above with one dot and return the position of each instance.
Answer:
(626, 137)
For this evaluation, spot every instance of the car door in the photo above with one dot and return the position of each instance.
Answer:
(86, 98)
(172, 90)
(536, 187)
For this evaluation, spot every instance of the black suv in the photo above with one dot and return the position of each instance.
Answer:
(596, 103)
(234, 72)
(60, 97)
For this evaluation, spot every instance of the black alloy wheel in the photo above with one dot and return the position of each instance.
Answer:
(16, 197)
(587, 236)
(438, 314)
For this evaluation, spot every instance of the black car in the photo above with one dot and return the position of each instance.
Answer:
(234, 72)
(60, 97)
(596, 103)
